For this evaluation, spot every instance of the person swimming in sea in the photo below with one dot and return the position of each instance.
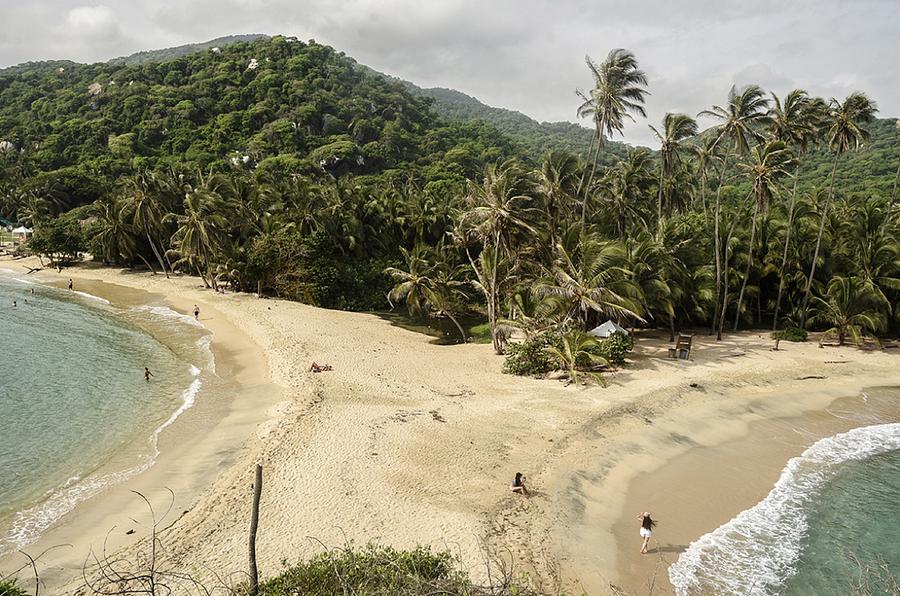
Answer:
(647, 525)
(147, 374)
(518, 485)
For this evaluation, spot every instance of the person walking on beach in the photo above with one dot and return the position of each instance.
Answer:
(518, 485)
(71, 284)
(196, 312)
(647, 525)
(147, 374)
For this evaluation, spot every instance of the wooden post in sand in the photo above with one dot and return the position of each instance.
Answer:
(254, 523)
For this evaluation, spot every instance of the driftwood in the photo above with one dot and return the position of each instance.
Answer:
(32, 269)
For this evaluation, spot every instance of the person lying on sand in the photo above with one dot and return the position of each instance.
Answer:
(647, 525)
(316, 368)
(518, 485)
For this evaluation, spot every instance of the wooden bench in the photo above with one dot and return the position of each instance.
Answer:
(682, 349)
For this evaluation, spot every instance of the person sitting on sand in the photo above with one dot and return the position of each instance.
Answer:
(317, 368)
(518, 485)
(647, 525)
(147, 374)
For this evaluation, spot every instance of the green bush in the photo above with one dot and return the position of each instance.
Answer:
(615, 347)
(530, 357)
(791, 334)
(373, 570)
(9, 588)
(481, 334)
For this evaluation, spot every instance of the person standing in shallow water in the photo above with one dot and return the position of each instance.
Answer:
(196, 312)
(147, 374)
(647, 525)
(71, 284)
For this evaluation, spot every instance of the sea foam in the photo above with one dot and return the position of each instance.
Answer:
(758, 550)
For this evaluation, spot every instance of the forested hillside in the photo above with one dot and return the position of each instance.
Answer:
(176, 52)
(279, 166)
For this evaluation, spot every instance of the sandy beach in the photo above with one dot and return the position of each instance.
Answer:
(407, 442)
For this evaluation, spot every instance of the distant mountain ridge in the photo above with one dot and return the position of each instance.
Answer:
(183, 50)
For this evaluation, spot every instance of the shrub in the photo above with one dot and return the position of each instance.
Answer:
(791, 334)
(9, 588)
(615, 347)
(374, 570)
(530, 357)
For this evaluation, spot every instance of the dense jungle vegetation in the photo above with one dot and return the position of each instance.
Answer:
(276, 165)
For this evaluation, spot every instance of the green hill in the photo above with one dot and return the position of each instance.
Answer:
(178, 51)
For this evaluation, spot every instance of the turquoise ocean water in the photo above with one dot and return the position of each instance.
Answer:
(834, 511)
(75, 412)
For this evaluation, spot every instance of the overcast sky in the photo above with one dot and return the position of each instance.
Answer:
(526, 55)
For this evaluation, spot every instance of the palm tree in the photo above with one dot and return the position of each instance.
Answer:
(578, 351)
(795, 122)
(851, 306)
(897, 175)
(770, 163)
(557, 183)
(625, 186)
(675, 129)
(198, 232)
(740, 120)
(413, 282)
(497, 210)
(845, 133)
(145, 213)
(112, 234)
(592, 280)
(618, 93)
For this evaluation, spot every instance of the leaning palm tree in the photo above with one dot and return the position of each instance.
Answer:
(199, 232)
(675, 129)
(577, 352)
(618, 93)
(796, 122)
(740, 120)
(851, 306)
(770, 163)
(625, 185)
(845, 133)
(557, 182)
(706, 153)
(112, 234)
(145, 213)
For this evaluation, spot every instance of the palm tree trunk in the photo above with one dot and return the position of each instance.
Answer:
(787, 244)
(589, 158)
(458, 326)
(812, 270)
(147, 263)
(724, 308)
(718, 242)
(659, 194)
(737, 314)
(156, 253)
(590, 179)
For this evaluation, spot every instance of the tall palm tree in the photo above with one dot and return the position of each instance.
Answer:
(796, 122)
(740, 120)
(770, 163)
(675, 129)
(557, 183)
(112, 233)
(845, 133)
(618, 94)
(626, 184)
(199, 231)
(413, 282)
(496, 212)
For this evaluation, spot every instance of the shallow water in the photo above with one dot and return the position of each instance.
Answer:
(75, 412)
(833, 505)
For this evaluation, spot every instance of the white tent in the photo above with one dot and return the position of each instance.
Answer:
(607, 329)
(22, 230)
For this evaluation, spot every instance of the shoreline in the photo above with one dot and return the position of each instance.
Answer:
(193, 445)
(406, 442)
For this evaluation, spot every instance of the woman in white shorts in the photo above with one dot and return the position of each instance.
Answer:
(647, 525)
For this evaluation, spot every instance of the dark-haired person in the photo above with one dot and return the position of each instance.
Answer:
(518, 485)
(196, 312)
(147, 374)
(647, 525)
(71, 284)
